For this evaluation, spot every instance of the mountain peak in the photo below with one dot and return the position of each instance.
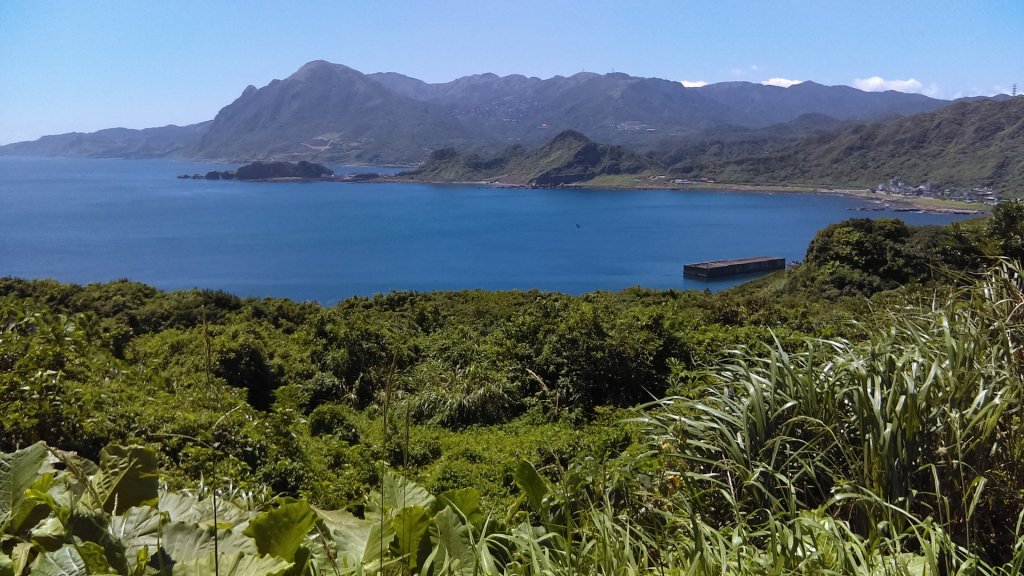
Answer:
(808, 85)
(321, 68)
(566, 136)
(316, 64)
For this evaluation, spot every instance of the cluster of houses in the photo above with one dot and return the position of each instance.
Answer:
(663, 178)
(981, 194)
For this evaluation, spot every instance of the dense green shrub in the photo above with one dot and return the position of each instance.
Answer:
(333, 420)
(293, 395)
(1006, 230)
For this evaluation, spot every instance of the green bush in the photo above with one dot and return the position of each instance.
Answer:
(333, 420)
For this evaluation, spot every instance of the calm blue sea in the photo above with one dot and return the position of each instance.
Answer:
(84, 220)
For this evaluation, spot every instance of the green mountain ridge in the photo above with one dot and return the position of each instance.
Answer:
(570, 158)
(166, 141)
(970, 143)
(966, 145)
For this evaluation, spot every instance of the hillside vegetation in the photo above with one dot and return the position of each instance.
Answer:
(570, 158)
(977, 143)
(854, 415)
(966, 145)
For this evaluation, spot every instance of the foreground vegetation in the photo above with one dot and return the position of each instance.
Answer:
(855, 415)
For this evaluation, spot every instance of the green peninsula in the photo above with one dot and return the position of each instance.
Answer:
(570, 158)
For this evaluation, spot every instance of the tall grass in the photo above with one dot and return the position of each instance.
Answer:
(899, 454)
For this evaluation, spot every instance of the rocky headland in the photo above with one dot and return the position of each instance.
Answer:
(268, 171)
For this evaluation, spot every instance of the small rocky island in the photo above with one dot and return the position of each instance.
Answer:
(269, 171)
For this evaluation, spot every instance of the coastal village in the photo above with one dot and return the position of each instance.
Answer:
(894, 186)
(978, 194)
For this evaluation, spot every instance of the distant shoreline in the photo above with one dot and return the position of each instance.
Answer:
(883, 200)
(276, 172)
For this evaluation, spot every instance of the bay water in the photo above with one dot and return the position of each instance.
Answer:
(95, 220)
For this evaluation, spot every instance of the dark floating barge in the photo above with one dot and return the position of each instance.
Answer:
(723, 268)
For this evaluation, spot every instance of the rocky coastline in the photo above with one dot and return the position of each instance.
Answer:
(267, 172)
(302, 171)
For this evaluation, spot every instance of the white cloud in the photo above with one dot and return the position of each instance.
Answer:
(755, 67)
(879, 84)
(780, 82)
(693, 83)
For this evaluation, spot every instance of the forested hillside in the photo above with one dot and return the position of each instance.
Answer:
(570, 158)
(976, 143)
(855, 415)
(966, 145)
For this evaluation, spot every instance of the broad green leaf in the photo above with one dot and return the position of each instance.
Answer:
(180, 507)
(280, 531)
(6, 565)
(237, 564)
(20, 556)
(188, 508)
(65, 499)
(35, 506)
(399, 492)
(136, 532)
(302, 565)
(532, 483)
(128, 477)
(63, 562)
(381, 536)
(18, 470)
(321, 550)
(183, 542)
(411, 525)
(455, 538)
(466, 501)
(360, 541)
(49, 535)
(87, 526)
(485, 560)
(94, 557)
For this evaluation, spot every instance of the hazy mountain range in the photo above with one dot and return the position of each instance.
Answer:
(977, 142)
(331, 113)
(967, 144)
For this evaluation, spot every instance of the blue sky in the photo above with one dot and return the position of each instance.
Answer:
(82, 66)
